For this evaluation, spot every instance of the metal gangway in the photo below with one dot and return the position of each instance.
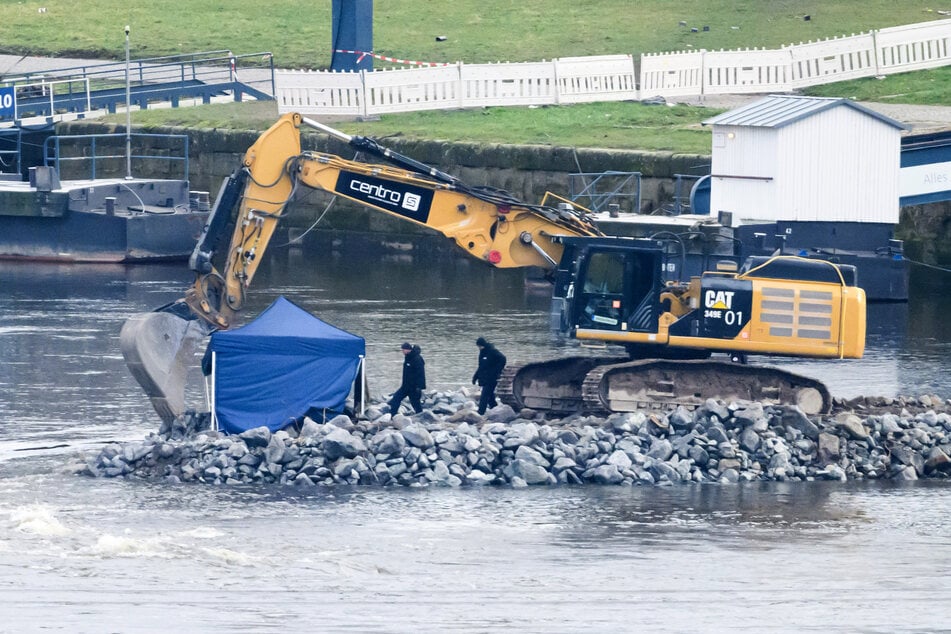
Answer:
(174, 80)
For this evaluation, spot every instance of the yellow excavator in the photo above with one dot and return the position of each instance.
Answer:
(604, 289)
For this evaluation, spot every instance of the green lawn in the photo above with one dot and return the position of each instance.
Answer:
(299, 32)
(621, 125)
(926, 87)
(299, 35)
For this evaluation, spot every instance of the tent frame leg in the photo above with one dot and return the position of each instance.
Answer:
(210, 395)
(363, 384)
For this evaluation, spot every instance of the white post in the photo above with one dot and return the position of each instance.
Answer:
(363, 384)
(875, 50)
(703, 72)
(364, 96)
(128, 110)
(214, 415)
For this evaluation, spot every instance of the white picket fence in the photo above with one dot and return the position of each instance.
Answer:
(566, 80)
(616, 77)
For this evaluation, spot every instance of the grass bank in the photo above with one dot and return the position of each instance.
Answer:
(600, 125)
(926, 87)
(299, 35)
(298, 32)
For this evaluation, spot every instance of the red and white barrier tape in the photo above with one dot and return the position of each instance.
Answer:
(363, 54)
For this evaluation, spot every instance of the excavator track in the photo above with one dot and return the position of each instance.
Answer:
(589, 384)
(553, 386)
(628, 387)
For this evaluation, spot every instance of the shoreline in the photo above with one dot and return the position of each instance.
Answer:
(449, 444)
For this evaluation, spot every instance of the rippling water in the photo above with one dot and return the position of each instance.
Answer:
(84, 555)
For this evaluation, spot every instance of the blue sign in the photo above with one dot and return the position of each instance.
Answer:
(7, 103)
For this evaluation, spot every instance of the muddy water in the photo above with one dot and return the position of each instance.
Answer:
(83, 555)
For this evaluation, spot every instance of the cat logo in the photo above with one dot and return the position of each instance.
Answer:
(718, 300)
(726, 307)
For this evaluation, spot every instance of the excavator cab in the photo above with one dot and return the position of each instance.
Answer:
(619, 290)
(609, 284)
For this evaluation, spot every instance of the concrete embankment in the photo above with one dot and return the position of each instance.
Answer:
(449, 444)
(525, 171)
(528, 172)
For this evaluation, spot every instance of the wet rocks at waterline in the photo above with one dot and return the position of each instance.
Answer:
(449, 444)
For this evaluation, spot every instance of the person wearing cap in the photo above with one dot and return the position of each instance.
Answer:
(414, 379)
(491, 363)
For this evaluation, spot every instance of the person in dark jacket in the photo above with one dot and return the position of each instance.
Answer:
(414, 379)
(491, 363)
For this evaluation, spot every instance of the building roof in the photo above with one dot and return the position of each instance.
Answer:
(776, 111)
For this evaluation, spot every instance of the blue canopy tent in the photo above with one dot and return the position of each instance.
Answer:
(278, 367)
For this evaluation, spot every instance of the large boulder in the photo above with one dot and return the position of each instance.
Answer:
(340, 443)
(418, 436)
(257, 437)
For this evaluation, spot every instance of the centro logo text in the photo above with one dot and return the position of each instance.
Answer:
(376, 191)
(406, 200)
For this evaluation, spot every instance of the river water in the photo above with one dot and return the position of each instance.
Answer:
(84, 555)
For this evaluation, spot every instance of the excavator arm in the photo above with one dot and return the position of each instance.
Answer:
(488, 224)
(606, 289)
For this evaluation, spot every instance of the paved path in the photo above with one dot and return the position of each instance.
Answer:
(922, 119)
(14, 65)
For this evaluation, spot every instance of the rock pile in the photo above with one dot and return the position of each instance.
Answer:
(450, 444)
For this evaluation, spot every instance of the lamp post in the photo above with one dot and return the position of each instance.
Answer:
(128, 110)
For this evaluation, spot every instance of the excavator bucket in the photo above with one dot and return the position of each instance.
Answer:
(159, 347)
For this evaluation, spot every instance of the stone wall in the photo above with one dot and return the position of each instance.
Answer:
(926, 230)
(525, 171)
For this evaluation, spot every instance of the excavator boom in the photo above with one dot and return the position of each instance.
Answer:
(605, 289)
(488, 224)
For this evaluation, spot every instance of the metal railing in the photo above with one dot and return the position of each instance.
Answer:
(683, 184)
(151, 79)
(206, 67)
(53, 150)
(596, 190)
(10, 158)
(51, 94)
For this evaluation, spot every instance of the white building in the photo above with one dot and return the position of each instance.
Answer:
(791, 158)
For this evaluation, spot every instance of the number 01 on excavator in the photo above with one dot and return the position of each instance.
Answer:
(604, 289)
